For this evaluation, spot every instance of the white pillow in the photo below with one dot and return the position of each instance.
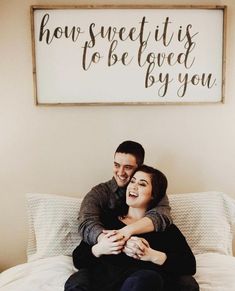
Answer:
(206, 219)
(53, 225)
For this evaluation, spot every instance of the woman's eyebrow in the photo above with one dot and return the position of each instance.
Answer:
(143, 180)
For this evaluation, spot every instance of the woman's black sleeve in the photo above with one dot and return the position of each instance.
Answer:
(82, 256)
(180, 259)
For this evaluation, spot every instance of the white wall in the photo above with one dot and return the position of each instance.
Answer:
(66, 150)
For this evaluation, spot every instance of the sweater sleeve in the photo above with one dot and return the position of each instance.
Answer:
(91, 210)
(180, 259)
(90, 226)
(82, 256)
(160, 215)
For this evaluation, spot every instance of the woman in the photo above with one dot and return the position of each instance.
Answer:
(165, 256)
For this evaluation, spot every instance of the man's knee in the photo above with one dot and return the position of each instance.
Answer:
(188, 283)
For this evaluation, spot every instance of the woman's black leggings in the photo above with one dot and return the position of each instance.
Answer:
(78, 281)
(143, 280)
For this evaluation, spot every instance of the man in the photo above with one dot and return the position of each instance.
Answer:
(110, 196)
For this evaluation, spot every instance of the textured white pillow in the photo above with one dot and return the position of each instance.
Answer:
(206, 219)
(53, 225)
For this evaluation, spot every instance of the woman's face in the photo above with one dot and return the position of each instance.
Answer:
(139, 190)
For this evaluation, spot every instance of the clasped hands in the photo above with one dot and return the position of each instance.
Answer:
(112, 242)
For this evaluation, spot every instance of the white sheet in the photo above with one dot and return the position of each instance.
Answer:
(215, 272)
(47, 274)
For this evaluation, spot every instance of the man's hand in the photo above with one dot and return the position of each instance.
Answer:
(135, 247)
(109, 243)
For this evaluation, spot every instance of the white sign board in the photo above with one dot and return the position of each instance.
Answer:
(128, 55)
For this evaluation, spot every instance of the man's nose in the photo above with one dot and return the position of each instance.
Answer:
(121, 171)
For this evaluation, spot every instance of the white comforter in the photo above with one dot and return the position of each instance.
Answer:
(47, 274)
(215, 272)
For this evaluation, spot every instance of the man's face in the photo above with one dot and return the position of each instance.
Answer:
(123, 168)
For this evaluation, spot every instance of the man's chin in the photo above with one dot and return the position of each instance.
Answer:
(121, 183)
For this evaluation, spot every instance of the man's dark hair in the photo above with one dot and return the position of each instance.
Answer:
(133, 148)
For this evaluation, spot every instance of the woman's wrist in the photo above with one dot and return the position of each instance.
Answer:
(157, 257)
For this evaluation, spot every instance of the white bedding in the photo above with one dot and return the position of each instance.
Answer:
(53, 235)
(215, 272)
(47, 274)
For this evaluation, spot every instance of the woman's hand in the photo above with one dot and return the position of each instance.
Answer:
(153, 256)
(135, 247)
(139, 248)
(110, 243)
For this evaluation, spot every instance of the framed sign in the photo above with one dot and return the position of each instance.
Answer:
(128, 55)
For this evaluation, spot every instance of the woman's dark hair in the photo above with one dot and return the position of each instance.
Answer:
(159, 183)
(159, 186)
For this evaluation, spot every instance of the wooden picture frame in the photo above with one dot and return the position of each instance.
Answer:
(117, 55)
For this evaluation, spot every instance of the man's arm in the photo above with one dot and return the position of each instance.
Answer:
(157, 219)
(160, 215)
(90, 226)
(97, 199)
(143, 225)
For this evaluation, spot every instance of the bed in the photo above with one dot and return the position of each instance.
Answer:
(206, 219)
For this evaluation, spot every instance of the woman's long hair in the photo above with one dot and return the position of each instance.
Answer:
(159, 184)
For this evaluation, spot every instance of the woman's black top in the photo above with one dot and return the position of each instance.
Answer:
(108, 272)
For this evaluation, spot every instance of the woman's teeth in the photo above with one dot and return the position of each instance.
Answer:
(133, 194)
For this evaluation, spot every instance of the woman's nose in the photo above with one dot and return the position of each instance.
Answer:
(134, 186)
